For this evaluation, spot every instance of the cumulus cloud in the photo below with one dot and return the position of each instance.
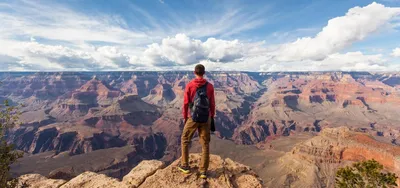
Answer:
(182, 50)
(34, 56)
(112, 55)
(396, 52)
(222, 50)
(56, 54)
(37, 56)
(351, 61)
(339, 33)
(8, 63)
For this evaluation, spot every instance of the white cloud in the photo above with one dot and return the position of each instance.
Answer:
(58, 23)
(227, 21)
(37, 56)
(60, 56)
(340, 32)
(112, 55)
(222, 50)
(318, 53)
(8, 63)
(182, 50)
(351, 61)
(396, 52)
(52, 37)
(61, 38)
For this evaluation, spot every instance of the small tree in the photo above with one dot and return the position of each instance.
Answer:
(366, 174)
(8, 118)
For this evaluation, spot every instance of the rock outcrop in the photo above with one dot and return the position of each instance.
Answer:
(38, 181)
(222, 173)
(313, 163)
(335, 145)
(139, 174)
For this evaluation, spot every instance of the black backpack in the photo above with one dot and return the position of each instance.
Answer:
(200, 107)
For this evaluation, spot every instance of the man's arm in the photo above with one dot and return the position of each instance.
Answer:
(212, 108)
(212, 102)
(186, 102)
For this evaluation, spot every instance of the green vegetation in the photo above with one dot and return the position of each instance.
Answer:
(8, 118)
(366, 174)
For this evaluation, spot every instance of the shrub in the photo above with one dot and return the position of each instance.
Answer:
(8, 118)
(368, 174)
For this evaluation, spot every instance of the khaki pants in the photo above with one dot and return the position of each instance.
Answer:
(204, 136)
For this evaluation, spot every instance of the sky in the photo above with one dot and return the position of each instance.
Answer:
(224, 35)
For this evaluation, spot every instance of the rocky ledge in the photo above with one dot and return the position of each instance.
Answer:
(153, 173)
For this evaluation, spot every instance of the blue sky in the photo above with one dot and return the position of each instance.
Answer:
(276, 35)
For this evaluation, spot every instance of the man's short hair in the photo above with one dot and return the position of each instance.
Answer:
(199, 70)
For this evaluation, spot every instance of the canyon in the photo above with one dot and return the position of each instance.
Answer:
(115, 120)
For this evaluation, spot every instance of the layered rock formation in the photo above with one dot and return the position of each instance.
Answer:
(309, 102)
(341, 144)
(78, 139)
(222, 173)
(79, 113)
(315, 161)
(127, 110)
(161, 95)
(94, 93)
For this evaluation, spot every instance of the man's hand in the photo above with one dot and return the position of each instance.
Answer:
(212, 125)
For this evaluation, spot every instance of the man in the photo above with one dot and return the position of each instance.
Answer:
(199, 97)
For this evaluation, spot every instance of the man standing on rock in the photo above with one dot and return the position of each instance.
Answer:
(198, 113)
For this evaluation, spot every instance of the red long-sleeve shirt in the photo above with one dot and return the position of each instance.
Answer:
(190, 92)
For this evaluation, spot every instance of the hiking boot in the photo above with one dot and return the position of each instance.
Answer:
(184, 169)
(203, 175)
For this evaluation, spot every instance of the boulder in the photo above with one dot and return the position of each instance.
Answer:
(38, 181)
(138, 174)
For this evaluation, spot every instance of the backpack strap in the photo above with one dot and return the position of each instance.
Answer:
(204, 86)
(201, 87)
